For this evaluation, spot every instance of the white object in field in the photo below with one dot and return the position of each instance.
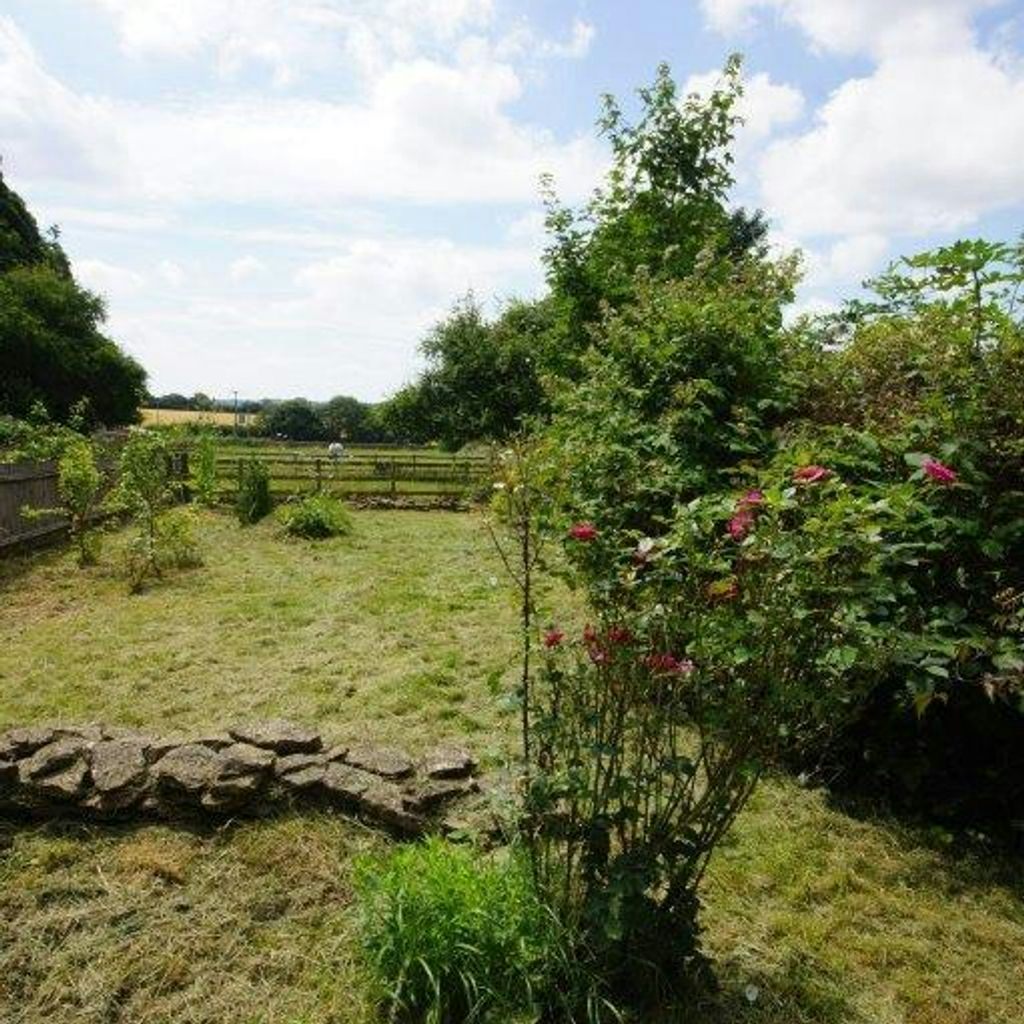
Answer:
(336, 450)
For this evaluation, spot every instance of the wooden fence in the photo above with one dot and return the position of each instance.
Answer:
(402, 472)
(360, 473)
(31, 484)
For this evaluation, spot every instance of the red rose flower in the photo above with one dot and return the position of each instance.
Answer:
(752, 499)
(810, 474)
(583, 531)
(939, 472)
(619, 635)
(553, 637)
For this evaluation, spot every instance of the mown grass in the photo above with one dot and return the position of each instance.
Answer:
(813, 915)
(404, 628)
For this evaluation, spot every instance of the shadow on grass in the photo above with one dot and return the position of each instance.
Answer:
(971, 859)
(798, 993)
(19, 562)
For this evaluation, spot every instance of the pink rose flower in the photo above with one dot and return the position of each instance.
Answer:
(583, 531)
(751, 499)
(741, 524)
(810, 474)
(939, 472)
(669, 664)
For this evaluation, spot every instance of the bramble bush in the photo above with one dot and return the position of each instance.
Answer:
(315, 517)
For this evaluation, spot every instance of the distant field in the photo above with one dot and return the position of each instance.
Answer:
(165, 417)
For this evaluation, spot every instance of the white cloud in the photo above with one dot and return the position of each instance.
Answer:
(928, 140)
(291, 37)
(764, 106)
(576, 46)
(346, 323)
(246, 267)
(878, 27)
(108, 279)
(171, 273)
(425, 131)
(923, 144)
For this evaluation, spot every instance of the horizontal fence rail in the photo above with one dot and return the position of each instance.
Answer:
(429, 473)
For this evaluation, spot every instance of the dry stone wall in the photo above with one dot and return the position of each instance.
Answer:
(252, 769)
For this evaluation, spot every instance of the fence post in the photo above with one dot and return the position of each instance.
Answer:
(319, 477)
(393, 485)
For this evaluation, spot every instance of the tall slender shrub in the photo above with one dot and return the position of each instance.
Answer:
(253, 500)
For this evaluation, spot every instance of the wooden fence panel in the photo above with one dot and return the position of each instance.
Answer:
(32, 484)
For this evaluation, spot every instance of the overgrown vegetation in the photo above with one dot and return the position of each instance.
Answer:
(253, 500)
(315, 517)
(452, 936)
(809, 913)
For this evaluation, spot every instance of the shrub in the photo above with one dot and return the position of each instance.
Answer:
(176, 541)
(316, 516)
(79, 483)
(145, 489)
(204, 469)
(253, 501)
(450, 935)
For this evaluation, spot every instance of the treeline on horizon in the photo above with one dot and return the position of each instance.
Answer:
(342, 418)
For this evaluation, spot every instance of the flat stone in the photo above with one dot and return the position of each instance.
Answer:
(161, 747)
(348, 784)
(190, 768)
(383, 803)
(66, 784)
(111, 803)
(215, 740)
(245, 759)
(235, 790)
(291, 763)
(118, 765)
(448, 763)
(436, 793)
(280, 736)
(90, 733)
(17, 743)
(52, 758)
(336, 753)
(306, 778)
(383, 761)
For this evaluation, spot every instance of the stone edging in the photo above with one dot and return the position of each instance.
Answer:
(106, 773)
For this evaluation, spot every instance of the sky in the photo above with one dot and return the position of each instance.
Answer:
(279, 197)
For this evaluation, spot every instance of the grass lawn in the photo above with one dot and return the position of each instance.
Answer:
(403, 633)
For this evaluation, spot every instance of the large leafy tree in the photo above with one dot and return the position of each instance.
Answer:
(483, 378)
(661, 211)
(296, 419)
(662, 205)
(51, 347)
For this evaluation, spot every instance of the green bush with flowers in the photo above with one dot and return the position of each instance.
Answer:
(884, 450)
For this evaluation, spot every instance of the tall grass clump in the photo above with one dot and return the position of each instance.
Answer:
(452, 936)
(253, 501)
(315, 517)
